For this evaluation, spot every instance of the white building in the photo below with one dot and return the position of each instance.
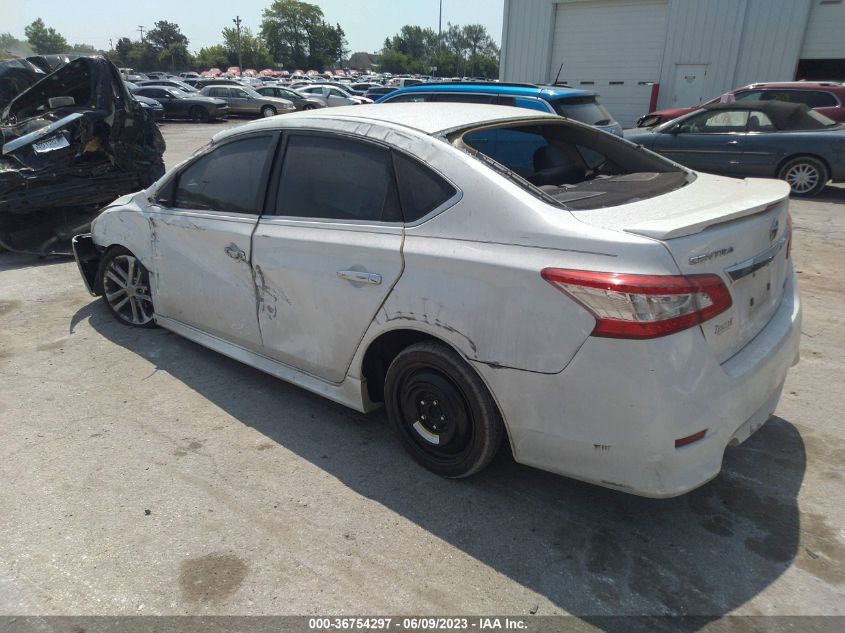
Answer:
(670, 53)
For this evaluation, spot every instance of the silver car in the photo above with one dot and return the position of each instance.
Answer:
(332, 96)
(246, 101)
(490, 275)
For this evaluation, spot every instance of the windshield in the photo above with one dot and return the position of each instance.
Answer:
(251, 92)
(822, 119)
(584, 109)
(177, 93)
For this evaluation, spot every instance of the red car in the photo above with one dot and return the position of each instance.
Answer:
(827, 97)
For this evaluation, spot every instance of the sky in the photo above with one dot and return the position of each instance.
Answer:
(366, 22)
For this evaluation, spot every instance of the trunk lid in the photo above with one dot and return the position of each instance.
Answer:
(736, 229)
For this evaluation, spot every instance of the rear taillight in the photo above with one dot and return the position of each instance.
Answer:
(642, 306)
(788, 234)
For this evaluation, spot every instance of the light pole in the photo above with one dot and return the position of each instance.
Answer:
(141, 29)
(440, 36)
(237, 22)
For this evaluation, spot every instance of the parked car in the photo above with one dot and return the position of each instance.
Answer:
(599, 311)
(155, 108)
(181, 105)
(770, 139)
(376, 93)
(332, 95)
(202, 82)
(246, 101)
(170, 83)
(300, 102)
(826, 97)
(580, 105)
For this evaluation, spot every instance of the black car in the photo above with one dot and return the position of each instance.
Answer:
(378, 92)
(181, 105)
(754, 139)
(169, 83)
(302, 102)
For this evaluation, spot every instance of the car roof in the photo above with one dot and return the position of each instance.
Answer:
(796, 85)
(510, 89)
(427, 118)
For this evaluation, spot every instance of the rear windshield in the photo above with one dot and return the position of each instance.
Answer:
(571, 166)
(583, 109)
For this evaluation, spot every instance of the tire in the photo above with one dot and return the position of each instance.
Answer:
(268, 111)
(309, 106)
(442, 411)
(199, 114)
(125, 286)
(806, 175)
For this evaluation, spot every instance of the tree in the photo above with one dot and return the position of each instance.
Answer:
(44, 40)
(174, 57)
(122, 49)
(10, 45)
(216, 56)
(287, 27)
(164, 35)
(253, 50)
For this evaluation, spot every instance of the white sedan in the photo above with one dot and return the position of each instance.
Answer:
(492, 276)
(332, 95)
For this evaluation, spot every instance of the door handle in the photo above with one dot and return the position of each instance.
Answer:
(360, 277)
(235, 253)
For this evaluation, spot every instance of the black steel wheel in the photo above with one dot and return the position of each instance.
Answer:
(199, 114)
(125, 285)
(806, 175)
(442, 410)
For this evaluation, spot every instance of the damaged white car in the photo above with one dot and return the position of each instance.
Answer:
(492, 276)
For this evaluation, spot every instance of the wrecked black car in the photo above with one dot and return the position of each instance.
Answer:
(71, 142)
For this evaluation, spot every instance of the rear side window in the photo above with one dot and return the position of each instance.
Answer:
(412, 97)
(337, 179)
(420, 189)
(226, 179)
(811, 98)
(584, 109)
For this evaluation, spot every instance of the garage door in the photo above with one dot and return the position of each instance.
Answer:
(614, 47)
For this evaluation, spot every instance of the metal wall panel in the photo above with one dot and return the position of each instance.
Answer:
(825, 37)
(526, 40)
(771, 41)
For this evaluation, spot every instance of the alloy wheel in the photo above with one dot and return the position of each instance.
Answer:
(126, 289)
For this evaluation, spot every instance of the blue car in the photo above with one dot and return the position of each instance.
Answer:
(580, 105)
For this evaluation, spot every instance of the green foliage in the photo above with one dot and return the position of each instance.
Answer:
(164, 35)
(298, 37)
(11, 46)
(216, 56)
(175, 57)
(253, 50)
(44, 40)
(462, 51)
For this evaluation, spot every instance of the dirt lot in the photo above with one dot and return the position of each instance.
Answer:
(143, 474)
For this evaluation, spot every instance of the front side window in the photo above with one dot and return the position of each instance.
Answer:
(337, 93)
(337, 179)
(240, 94)
(717, 122)
(226, 179)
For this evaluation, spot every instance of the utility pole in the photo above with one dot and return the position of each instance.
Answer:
(440, 36)
(237, 22)
(141, 29)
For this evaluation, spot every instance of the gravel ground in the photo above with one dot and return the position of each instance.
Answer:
(144, 474)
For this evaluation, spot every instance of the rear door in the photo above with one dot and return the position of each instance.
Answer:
(201, 230)
(709, 141)
(327, 251)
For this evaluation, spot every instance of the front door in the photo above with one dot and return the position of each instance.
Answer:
(328, 252)
(688, 90)
(201, 231)
(710, 141)
(239, 101)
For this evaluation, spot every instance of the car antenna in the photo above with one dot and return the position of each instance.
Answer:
(559, 70)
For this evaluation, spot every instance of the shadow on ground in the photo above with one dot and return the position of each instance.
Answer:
(591, 551)
(830, 194)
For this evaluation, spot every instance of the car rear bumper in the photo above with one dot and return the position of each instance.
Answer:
(613, 415)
